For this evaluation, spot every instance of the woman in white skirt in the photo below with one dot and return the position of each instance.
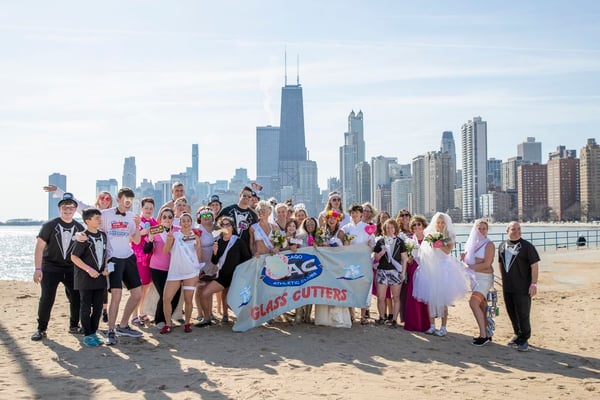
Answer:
(441, 278)
(186, 253)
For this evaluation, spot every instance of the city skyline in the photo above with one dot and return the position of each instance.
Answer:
(86, 85)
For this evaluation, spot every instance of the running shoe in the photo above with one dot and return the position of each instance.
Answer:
(127, 331)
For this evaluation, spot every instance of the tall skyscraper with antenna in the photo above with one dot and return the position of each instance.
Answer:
(298, 175)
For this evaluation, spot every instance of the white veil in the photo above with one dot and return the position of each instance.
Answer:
(440, 278)
(475, 241)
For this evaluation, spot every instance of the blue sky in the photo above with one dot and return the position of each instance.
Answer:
(86, 84)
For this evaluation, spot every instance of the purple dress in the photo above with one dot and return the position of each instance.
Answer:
(416, 314)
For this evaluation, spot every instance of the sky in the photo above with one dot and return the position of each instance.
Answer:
(86, 84)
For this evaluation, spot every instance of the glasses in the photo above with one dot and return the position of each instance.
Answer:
(225, 224)
(246, 196)
(70, 208)
(104, 198)
(416, 224)
(336, 199)
(167, 217)
(206, 215)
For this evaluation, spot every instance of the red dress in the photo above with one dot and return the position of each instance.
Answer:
(416, 314)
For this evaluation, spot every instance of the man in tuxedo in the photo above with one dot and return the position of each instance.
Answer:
(53, 265)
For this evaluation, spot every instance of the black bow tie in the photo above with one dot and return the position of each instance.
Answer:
(117, 212)
(67, 230)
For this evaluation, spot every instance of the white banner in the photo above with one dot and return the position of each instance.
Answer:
(266, 287)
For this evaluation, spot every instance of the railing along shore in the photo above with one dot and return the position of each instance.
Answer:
(545, 240)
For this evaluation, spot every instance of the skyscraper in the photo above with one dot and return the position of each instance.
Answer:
(380, 181)
(291, 129)
(563, 185)
(195, 171)
(418, 184)
(590, 181)
(267, 159)
(530, 151)
(129, 173)
(351, 153)
(363, 182)
(438, 182)
(60, 181)
(532, 193)
(474, 166)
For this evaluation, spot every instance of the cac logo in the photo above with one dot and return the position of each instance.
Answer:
(290, 270)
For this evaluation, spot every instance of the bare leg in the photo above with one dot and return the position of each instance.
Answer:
(132, 302)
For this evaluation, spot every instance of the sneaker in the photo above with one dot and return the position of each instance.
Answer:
(431, 330)
(442, 332)
(523, 346)
(165, 329)
(75, 330)
(203, 323)
(111, 338)
(480, 341)
(513, 341)
(105, 316)
(38, 335)
(90, 341)
(137, 321)
(127, 331)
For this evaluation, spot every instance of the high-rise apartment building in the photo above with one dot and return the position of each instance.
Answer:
(532, 193)
(438, 182)
(351, 153)
(60, 181)
(401, 194)
(530, 151)
(418, 184)
(494, 174)
(563, 185)
(380, 180)
(267, 159)
(291, 129)
(129, 173)
(589, 167)
(474, 166)
(363, 182)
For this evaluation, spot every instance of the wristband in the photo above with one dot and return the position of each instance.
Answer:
(38, 268)
(533, 285)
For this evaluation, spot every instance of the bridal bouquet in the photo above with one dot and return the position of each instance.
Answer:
(411, 244)
(437, 239)
(317, 239)
(278, 239)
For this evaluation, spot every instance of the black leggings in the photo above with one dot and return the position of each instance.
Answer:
(159, 278)
(49, 284)
(91, 309)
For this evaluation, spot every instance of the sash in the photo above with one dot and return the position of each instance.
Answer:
(263, 236)
(224, 255)
(389, 251)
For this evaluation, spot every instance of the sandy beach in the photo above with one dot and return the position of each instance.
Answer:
(306, 361)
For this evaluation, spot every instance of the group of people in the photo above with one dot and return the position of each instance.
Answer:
(416, 277)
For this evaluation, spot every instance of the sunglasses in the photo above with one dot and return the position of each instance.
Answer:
(336, 199)
(206, 215)
(416, 224)
(167, 217)
(246, 196)
(104, 198)
(225, 224)
(405, 215)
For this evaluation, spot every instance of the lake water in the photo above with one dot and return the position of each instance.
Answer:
(17, 243)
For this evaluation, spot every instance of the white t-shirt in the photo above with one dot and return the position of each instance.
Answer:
(358, 231)
(117, 229)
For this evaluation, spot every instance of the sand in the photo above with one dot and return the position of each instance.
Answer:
(307, 361)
